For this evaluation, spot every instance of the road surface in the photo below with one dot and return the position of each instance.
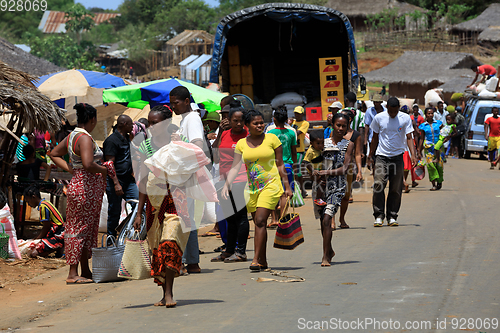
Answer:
(437, 272)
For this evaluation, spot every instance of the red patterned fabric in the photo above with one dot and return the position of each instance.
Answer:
(52, 241)
(168, 255)
(83, 210)
(167, 206)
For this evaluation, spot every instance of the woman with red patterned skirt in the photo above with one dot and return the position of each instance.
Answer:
(165, 206)
(85, 192)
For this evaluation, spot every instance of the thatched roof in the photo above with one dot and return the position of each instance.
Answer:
(489, 17)
(491, 34)
(36, 110)
(24, 61)
(362, 8)
(456, 84)
(8, 73)
(415, 67)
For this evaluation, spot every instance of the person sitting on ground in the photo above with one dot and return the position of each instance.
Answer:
(314, 162)
(30, 167)
(52, 234)
(487, 71)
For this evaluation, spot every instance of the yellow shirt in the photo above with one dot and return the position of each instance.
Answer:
(262, 171)
(311, 154)
(303, 127)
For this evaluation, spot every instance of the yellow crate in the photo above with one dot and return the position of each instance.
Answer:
(330, 65)
(331, 81)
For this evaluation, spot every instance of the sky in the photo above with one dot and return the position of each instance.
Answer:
(113, 4)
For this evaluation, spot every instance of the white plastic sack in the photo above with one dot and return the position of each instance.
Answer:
(25, 246)
(103, 220)
(176, 162)
(8, 223)
(406, 101)
(491, 84)
(487, 93)
(288, 98)
(432, 97)
(480, 87)
(200, 186)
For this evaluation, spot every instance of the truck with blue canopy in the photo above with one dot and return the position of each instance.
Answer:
(274, 48)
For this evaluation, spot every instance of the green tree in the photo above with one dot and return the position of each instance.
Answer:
(186, 15)
(79, 20)
(137, 39)
(63, 51)
(103, 33)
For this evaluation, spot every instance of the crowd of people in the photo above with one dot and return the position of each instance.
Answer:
(256, 167)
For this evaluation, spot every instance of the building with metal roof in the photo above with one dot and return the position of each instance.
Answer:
(186, 43)
(53, 22)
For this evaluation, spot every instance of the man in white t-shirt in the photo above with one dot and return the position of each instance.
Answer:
(192, 128)
(392, 133)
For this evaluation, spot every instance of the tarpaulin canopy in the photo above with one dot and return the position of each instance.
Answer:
(157, 92)
(285, 12)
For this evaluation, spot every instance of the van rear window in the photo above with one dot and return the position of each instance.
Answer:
(481, 113)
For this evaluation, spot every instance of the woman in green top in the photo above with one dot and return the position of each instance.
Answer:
(288, 141)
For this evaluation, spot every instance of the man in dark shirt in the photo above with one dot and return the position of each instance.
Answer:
(117, 149)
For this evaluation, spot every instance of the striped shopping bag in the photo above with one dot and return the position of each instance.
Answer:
(289, 232)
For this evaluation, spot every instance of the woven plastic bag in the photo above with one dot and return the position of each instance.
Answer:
(136, 263)
(8, 222)
(297, 200)
(106, 261)
(4, 244)
(289, 232)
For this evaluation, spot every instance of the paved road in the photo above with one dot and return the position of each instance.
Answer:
(441, 263)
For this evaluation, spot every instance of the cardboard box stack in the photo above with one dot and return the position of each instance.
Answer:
(240, 76)
(331, 81)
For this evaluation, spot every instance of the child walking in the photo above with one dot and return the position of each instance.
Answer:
(314, 162)
(337, 157)
(52, 233)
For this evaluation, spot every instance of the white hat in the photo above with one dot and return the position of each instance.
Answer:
(336, 105)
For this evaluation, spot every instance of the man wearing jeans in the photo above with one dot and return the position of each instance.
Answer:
(117, 149)
(392, 132)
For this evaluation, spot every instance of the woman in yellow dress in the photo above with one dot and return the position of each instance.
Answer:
(263, 156)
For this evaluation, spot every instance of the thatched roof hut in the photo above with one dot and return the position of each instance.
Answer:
(24, 61)
(490, 34)
(414, 73)
(490, 17)
(28, 109)
(358, 10)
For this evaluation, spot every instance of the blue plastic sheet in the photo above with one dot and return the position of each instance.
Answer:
(281, 12)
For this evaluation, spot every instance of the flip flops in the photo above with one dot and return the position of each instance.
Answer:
(80, 280)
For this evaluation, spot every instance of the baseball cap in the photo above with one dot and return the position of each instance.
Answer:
(214, 115)
(298, 109)
(226, 108)
(336, 105)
